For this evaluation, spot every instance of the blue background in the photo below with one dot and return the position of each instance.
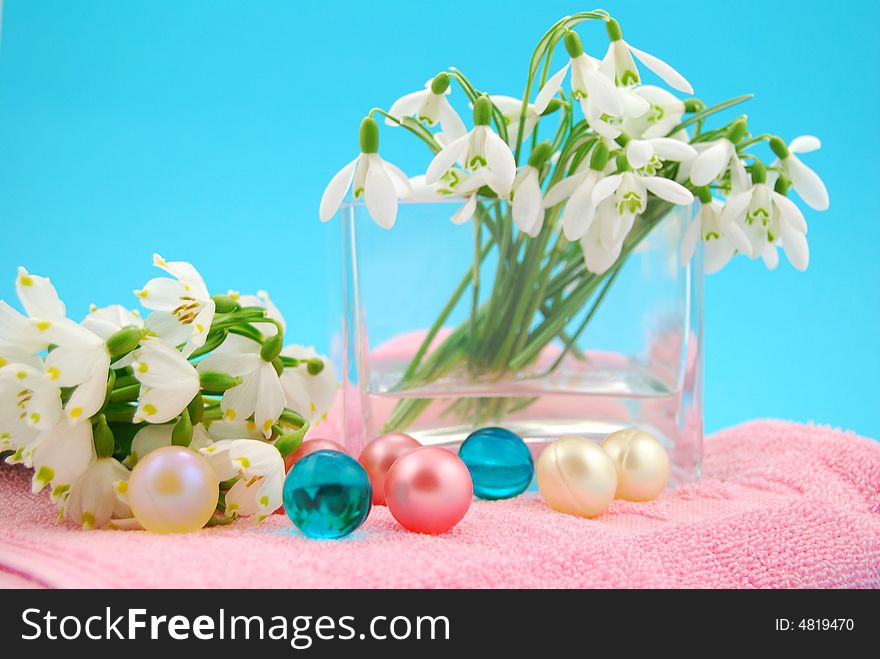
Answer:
(207, 132)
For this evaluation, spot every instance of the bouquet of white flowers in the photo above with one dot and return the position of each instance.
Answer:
(81, 403)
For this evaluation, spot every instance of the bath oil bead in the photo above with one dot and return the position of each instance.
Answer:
(428, 490)
(576, 476)
(310, 446)
(173, 490)
(500, 463)
(642, 464)
(327, 494)
(378, 456)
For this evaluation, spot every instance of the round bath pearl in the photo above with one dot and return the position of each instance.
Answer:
(576, 476)
(378, 456)
(428, 490)
(173, 490)
(310, 446)
(500, 463)
(327, 494)
(642, 464)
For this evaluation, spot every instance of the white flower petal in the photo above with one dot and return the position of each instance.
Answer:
(17, 330)
(667, 189)
(398, 178)
(794, 243)
(770, 256)
(89, 396)
(466, 211)
(805, 144)
(380, 194)
(639, 153)
(452, 124)
(187, 274)
(335, 191)
(270, 400)
(689, 242)
(564, 189)
(500, 161)
(579, 213)
(667, 148)
(407, 105)
(527, 211)
(161, 294)
(38, 296)
(605, 188)
(548, 91)
(241, 401)
(735, 207)
(603, 92)
(807, 183)
(93, 500)
(446, 158)
(148, 439)
(61, 456)
(791, 214)
(710, 164)
(669, 75)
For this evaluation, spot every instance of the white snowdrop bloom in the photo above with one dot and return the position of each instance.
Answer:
(720, 240)
(168, 381)
(45, 313)
(185, 298)
(769, 219)
(479, 151)
(31, 397)
(619, 65)
(527, 200)
(430, 106)
(647, 155)
(260, 394)
(59, 456)
(94, 498)
(237, 429)
(805, 181)
(602, 242)
(594, 90)
(154, 436)
(512, 110)
(379, 182)
(310, 395)
(260, 469)
(665, 112)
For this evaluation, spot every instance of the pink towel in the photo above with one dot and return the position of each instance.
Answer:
(782, 505)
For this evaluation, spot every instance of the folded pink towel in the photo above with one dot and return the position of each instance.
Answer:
(782, 505)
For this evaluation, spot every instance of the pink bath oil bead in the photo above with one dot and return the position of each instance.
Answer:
(428, 490)
(378, 456)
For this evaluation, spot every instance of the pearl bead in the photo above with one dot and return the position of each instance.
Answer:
(576, 476)
(173, 490)
(378, 456)
(642, 464)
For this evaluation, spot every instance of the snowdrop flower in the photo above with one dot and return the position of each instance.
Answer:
(717, 157)
(647, 155)
(720, 240)
(45, 312)
(379, 182)
(480, 151)
(309, 393)
(261, 392)
(59, 457)
(260, 469)
(430, 105)
(589, 85)
(168, 381)
(602, 242)
(31, 396)
(527, 201)
(769, 219)
(805, 181)
(82, 359)
(664, 114)
(511, 110)
(577, 188)
(237, 429)
(95, 496)
(619, 65)
(261, 299)
(185, 298)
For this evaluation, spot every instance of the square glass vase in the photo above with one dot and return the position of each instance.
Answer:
(449, 328)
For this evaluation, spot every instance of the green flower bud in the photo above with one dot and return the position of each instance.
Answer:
(737, 130)
(540, 154)
(218, 381)
(225, 303)
(758, 171)
(289, 442)
(278, 365)
(552, 106)
(482, 111)
(573, 44)
(692, 105)
(314, 366)
(440, 83)
(622, 139)
(272, 348)
(612, 27)
(369, 135)
(599, 157)
(123, 341)
(104, 441)
(779, 148)
(705, 194)
(196, 408)
(183, 431)
(622, 162)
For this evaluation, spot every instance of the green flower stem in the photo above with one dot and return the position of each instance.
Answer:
(475, 287)
(129, 393)
(413, 127)
(703, 114)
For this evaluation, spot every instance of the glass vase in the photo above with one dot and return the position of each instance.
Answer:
(448, 328)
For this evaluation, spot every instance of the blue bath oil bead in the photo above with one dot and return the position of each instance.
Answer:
(327, 494)
(500, 463)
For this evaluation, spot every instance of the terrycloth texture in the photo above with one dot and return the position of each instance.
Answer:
(783, 505)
